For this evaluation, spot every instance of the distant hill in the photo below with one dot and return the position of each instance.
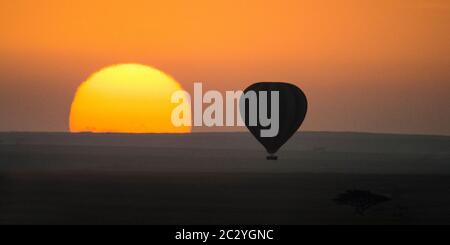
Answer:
(229, 152)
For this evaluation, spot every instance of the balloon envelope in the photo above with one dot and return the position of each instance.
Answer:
(292, 111)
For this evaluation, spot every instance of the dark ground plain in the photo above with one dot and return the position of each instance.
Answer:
(220, 178)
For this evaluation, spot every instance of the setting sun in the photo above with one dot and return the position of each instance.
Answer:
(125, 98)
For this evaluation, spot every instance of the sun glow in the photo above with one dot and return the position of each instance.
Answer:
(126, 98)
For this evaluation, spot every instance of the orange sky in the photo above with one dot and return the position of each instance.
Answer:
(378, 66)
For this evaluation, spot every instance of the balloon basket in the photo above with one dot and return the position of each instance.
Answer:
(272, 157)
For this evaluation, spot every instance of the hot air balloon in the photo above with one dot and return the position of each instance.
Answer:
(292, 107)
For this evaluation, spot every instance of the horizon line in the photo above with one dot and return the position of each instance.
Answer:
(219, 132)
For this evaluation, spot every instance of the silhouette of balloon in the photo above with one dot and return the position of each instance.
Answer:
(292, 111)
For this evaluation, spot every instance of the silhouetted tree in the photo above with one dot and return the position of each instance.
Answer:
(360, 200)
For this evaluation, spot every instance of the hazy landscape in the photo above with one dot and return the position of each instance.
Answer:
(220, 178)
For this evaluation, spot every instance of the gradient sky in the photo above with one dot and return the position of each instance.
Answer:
(373, 66)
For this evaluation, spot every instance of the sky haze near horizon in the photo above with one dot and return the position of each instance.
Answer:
(371, 66)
